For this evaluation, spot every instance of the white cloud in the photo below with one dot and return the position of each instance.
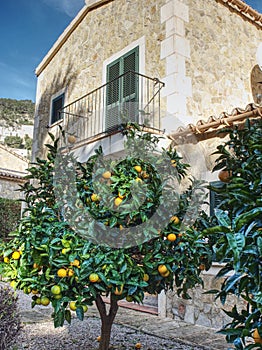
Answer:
(70, 7)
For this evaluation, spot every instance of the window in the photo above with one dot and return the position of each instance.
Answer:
(57, 104)
(122, 90)
(215, 198)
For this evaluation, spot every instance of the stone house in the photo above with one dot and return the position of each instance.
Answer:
(184, 68)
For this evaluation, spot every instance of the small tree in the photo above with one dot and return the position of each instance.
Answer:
(13, 141)
(238, 232)
(127, 248)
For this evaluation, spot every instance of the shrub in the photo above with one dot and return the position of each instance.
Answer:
(10, 323)
(10, 211)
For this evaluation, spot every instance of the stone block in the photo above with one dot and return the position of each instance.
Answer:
(167, 47)
(175, 25)
(174, 8)
(175, 63)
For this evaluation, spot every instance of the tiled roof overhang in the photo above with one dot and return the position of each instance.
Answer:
(12, 175)
(244, 10)
(204, 129)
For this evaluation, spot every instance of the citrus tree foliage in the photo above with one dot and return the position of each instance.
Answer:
(238, 231)
(10, 212)
(51, 259)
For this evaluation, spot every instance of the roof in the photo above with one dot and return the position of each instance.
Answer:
(213, 123)
(244, 10)
(12, 175)
(7, 149)
(238, 6)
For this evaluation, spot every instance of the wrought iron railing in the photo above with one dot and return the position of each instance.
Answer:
(131, 97)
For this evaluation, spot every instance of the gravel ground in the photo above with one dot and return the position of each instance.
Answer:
(83, 335)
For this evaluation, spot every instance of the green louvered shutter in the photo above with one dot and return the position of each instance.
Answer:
(122, 94)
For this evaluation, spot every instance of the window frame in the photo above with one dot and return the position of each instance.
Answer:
(55, 98)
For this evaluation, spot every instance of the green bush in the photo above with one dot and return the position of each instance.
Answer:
(10, 212)
(238, 232)
(10, 322)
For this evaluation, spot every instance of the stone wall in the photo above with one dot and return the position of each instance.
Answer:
(202, 309)
(222, 54)
(9, 189)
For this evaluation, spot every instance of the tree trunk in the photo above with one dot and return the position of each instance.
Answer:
(106, 320)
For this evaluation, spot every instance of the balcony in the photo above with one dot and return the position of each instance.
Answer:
(131, 97)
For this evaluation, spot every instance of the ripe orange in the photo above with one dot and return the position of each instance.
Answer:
(138, 168)
(72, 305)
(98, 338)
(16, 255)
(56, 289)
(139, 180)
(106, 175)
(45, 301)
(175, 220)
(202, 267)
(173, 163)
(166, 274)
(225, 175)
(119, 291)
(146, 277)
(171, 237)
(61, 273)
(71, 139)
(76, 263)
(121, 196)
(95, 197)
(256, 336)
(94, 277)
(6, 259)
(70, 273)
(34, 291)
(118, 201)
(162, 269)
(138, 346)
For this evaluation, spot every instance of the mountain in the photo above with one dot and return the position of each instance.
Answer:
(16, 112)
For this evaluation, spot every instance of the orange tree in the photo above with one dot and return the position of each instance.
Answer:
(237, 232)
(105, 236)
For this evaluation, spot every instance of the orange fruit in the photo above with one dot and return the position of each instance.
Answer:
(139, 180)
(175, 220)
(85, 308)
(94, 277)
(72, 305)
(16, 255)
(55, 290)
(13, 284)
(138, 168)
(70, 273)
(166, 274)
(119, 291)
(118, 201)
(71, 139)
(256, 336)
(129, 298)
(6, 259)
(121, 196)
(106, 175)
(57, 296)
(225, 175)
(98, 338)
(162, 269)
(76, 263)
(45, 301)
(95, 197)
(38, 301)
(202, 267)
(34, 291)
(171, 237)
(138, 346)
(146, 277)
(173, 163)
(61, 273)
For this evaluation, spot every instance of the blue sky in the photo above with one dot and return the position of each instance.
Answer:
(28, 30)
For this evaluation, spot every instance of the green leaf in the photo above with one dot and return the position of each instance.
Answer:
(68, 316)
(80, 313)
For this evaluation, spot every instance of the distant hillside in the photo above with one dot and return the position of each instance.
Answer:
(16, 112)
